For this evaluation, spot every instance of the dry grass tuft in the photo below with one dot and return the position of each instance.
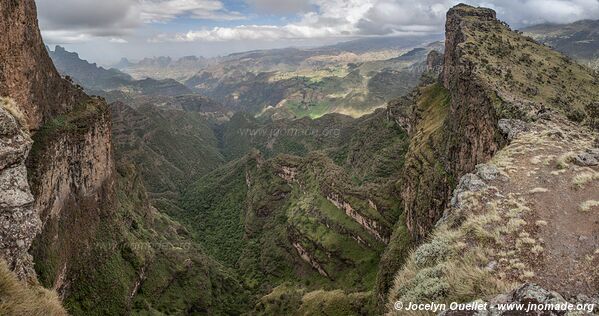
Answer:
(17, 298)
(9, 105)
(583, 178)
(563, 161)
(527, 275)
(588, 205)
(538, 190)
(537, 249)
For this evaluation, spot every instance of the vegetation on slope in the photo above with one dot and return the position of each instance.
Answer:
(145, 263)
(494, 73)
(260, 216)
(289, 300)
(170, 147)
(528, 77)
(509, 225)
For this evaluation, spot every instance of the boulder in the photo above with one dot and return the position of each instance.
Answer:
(588, 158)
(510, 128)
(529, 295)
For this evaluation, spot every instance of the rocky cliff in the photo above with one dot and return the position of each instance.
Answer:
(70, 166)
(72, 178)
(27, 73)
(18, 218)
(487, 77)
(46, 100)
(497, 87)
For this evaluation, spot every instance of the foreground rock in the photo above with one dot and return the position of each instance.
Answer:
(534, 300)
(19, 221)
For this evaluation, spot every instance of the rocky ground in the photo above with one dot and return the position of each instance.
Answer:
(526, 217)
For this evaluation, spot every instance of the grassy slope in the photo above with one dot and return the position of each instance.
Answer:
(526, 74)
(21, 299)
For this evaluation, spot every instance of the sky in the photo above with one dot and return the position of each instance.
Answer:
(104, 31)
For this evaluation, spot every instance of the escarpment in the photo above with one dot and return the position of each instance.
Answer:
(72, 177)
(70, 166)
(101, 244)
(455, 136)
(26, 73)
(489, 73)
(497, 89)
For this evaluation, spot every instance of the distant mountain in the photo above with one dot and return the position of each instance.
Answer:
(382, 43)
(112, 83)
(85, 73)
(123, 63)
(164, 67)
(312, 82)
(579, 40)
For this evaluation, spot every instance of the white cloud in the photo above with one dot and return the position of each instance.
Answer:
(59, 36)
(351, 18)
(280, 6)
(117, 40)
(163, 11)
(68, 21)
(335, 18)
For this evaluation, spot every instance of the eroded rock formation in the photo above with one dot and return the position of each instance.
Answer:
(19, 220)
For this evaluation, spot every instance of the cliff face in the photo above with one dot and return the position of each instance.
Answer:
(19, 219)
(489, 73)
(72, 178)
(26, 72)
(495, 85)
(70, 166)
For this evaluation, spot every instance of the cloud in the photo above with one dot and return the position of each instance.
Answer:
(163, 11)
(249, 32)
(530, 12)
(68, 21)
(354, 18)
(280, 6)
(335, 18)
(87, 18)
(117, 40)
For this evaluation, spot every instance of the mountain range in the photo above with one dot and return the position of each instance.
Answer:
(580, 39)
(467, 172)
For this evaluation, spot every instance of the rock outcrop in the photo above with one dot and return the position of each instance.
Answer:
(494, 85)
(19, 220)
(70, 167)
(26, 72)
(434, 62)
(531, 299)
(497, 80)
(469, 137)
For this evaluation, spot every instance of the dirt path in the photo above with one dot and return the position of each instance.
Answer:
(554, 189)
